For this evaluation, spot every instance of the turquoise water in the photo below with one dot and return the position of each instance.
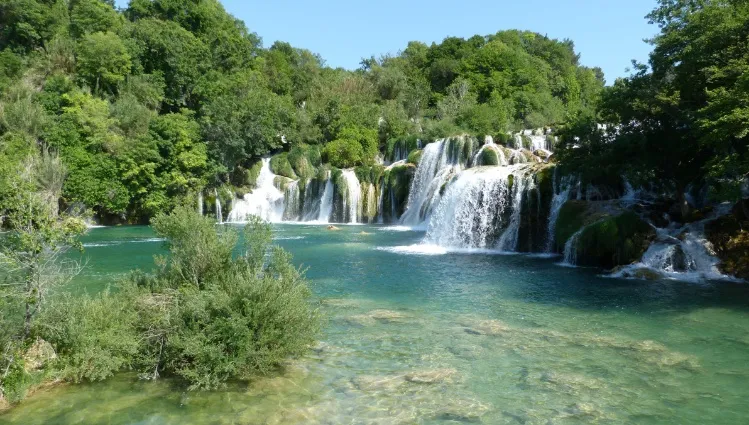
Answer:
(450, 338)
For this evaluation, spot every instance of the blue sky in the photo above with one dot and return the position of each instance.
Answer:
(607, 33)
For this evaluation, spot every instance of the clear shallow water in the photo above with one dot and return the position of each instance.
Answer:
(417, 337)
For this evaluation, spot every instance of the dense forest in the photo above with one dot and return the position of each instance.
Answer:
(150, 104)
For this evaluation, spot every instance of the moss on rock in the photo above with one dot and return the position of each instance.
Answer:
(489, 157)
(414, 157)
(304, 159)
(614, 241)
(281, 166)
(729, 235)
(252, 174)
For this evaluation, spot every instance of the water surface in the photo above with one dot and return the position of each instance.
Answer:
(449, 338)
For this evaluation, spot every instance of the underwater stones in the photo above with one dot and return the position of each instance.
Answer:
(487, 327)
(729, 236)
(340, 302)
(375, 316)
(431, 376)
(40, 353)
(570, 382)
(461, 410)
(333, 228)
(378, 383)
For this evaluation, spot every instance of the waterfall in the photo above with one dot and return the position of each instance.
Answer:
(680, 252)
(318, 200)
(292, 202)
(352, 200)
(570, 248)
(561, 195)
(472, 213)
(509, 239)
(439, 161)
(265, 201)
(200, 202)
(381, 202)
(326, 202)
(219, 215)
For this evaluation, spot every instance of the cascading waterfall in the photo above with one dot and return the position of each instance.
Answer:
(219, 215)
(509, 239)
(561, 195)
(680, 252)
(352, 200)
(474, 210)
(570, 248)
(292, 202)
(200, 203)
(439, 161)
(265, 201)
(326, 202)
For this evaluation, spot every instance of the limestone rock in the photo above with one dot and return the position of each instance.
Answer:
(431, 376)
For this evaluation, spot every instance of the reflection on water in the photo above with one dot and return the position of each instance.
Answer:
(451, 338)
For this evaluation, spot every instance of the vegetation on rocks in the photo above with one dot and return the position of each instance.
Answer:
(614, 241)
(729, 235)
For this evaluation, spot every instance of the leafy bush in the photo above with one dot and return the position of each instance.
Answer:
(344, 153)
(209, 317)
(93, 337)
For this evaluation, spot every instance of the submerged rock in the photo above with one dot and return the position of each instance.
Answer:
(378, 383)
(487, 327)
(333, 228)
(431, 376)
(382, 316)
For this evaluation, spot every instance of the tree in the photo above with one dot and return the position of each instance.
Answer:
(103, 61)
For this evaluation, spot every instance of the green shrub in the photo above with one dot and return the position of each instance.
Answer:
(208, 316)
(94, 337)
(344, 153)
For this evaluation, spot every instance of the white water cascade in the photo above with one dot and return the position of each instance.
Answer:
(352, 200)
(561, 195)
(318, 200)
(473, 213)
(570, 248)
(219, 215)
(509, 239)
(266, 201)
(200, 203)
(680, 252)
(436, 167)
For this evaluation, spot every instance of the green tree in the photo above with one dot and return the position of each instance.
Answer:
(103, 61)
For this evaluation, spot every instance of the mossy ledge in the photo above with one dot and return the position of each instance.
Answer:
(729, 235)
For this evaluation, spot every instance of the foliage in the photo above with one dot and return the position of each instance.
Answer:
(208, 316)
(344, 153)
(682, 120)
